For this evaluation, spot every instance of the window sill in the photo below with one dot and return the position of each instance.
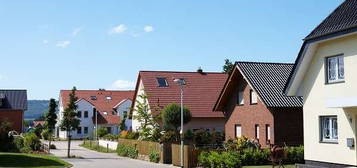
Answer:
(329, 142)
(336, 82)
(253, 103)
(240, 104)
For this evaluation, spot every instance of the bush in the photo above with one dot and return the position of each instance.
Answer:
(123, 134)
(6, 144)
(19, 143)
(202, 137)
(154, 156)
(127, 151)
(133, 135)
(102, 131)
(111, 137)
(295, 154)
(45, 134)
(52, 146)
(240, 144)
(219, 160)
(169, 136)
(31, 141)
(251, 156)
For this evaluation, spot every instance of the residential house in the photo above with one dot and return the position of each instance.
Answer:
(38, 123)
(324, 74)
(254, 105)
(200, 92)
(13, 103)
(104, 108)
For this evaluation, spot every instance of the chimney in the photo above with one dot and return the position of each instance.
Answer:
(199, 70)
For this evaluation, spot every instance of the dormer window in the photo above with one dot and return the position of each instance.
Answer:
(108, 97)
(93, 97)
(162, 82)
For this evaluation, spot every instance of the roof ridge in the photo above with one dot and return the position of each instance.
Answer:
(252, 62)
(181, 71)
(13, 89)
(98, 90)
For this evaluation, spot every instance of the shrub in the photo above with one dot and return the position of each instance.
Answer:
(202, 137)
(169, 136)
(251, 156)
(52, 146)
(154, 156)
(240, 144)
(19, 143)
(127, 151)
(123, 134)
(5, 141)
(295, 154)
(189, 135)
(45, 134)
(133, 135)
(110, 137)
(32, 142)
(171, 117)
(215, 159)
(102, 131)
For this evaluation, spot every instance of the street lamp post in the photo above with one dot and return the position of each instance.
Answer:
(181, 83)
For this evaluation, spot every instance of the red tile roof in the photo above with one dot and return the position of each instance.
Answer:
(200, 92)
(35, 123)
(102, 104)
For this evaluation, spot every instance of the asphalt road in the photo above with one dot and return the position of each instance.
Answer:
(93, 159)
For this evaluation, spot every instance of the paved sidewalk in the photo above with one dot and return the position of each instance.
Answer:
(93, 159)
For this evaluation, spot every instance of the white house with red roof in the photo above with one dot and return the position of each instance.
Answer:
(104, 108)
(201, 91)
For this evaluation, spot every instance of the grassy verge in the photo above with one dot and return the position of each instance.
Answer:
(269, 166)
(94, 146)
(31, 161)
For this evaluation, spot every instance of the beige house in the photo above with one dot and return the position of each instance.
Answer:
(325, 74)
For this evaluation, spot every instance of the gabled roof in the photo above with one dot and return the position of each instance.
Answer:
(200, 92)
(267, 80)
(14, 99)
(121, 102)
(342, 18)
(101, 103)
(341, 22)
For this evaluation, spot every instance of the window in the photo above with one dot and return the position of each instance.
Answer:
(162, 82)
(267, 132)
(85, 114)
(85, 130)
(93, 97)
(253, 97)
(238, 129)
(256, 131)
(240, 98)
(108, 97)
(79, 130)
(335, 69)
(105, 113)
(328, 129)
(79, 114)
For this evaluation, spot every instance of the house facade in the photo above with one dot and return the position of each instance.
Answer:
(201, 90)
(254, 105)
(324, 74)
(104, 108)
(13, 103)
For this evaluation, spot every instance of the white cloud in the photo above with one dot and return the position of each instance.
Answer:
(122, 84)
(45, 42)
(118, 29)
(63, 44)
(148, 28)
(76, 31)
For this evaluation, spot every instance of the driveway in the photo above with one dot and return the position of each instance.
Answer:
(93, 159)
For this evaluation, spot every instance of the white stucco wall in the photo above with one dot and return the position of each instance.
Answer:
(111, 144)
(135, 123)
(125, 106)
(317, 94)
(83, 105)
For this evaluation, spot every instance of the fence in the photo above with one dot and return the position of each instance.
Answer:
(190, 158)
(108, 144)
(145, 147)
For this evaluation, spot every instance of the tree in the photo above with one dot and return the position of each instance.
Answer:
(148, 122)
(51, 119)
(122, 123)
(171, 117)
(228, 66)
(70, 122)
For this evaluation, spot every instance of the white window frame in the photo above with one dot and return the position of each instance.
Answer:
(339, 72)
(268, 136)
(240, 97)
(238, 130)
(257, 131)
(329, 129)
(253, 97)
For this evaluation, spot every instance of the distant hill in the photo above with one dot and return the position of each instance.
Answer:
(36, 108)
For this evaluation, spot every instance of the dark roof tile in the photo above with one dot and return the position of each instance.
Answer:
(14, 99)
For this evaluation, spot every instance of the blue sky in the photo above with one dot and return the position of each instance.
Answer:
(46, 46)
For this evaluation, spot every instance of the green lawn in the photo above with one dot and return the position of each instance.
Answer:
(93, 146)
(269, 166)
(31, 161)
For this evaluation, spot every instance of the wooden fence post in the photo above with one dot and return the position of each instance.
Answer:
(107, 148)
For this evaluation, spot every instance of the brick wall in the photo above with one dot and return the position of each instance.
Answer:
(247, 115)
(15, 117)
